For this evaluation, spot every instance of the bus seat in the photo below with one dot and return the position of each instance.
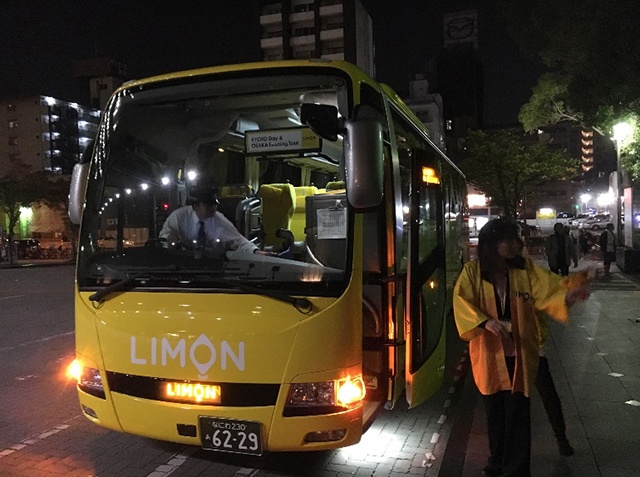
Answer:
(335, 186)
(278, 205)
(299, 219)
(235, 190)
(229, 198)
(249, 218)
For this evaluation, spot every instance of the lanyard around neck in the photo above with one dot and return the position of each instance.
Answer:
(502, 300)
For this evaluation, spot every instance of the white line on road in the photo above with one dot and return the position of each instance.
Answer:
(175, 461)
(245, 472)
(42, 340)
(33, 440)
(11, 296)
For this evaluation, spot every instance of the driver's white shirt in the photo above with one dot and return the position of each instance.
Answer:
(183, 224)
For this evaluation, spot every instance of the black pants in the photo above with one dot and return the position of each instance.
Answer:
(509, 430)
(550, 399)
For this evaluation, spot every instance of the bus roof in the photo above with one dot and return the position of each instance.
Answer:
(352, 70)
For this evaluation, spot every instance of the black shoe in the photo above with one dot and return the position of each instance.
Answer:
(564, 447)
(491, 472)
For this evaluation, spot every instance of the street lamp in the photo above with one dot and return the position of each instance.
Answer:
(585, 198)
(621, 131)
(605, 200)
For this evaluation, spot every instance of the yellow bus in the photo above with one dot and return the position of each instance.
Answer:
(358, 220)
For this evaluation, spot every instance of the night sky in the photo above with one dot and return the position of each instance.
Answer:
(40, 40)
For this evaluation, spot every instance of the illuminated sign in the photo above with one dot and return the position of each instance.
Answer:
(545, 213)
(282, 140)
(192, 392)
(429, 176)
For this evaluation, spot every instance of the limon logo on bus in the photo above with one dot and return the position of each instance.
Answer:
(201, 353)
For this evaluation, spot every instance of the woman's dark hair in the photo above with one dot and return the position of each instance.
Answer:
(488, 238)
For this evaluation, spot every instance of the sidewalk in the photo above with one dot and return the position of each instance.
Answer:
(50, 262)
(595, 363)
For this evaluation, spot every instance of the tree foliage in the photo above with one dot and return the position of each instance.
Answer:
(590, 48)
(500, 166)
(547, 104)
(20, 187)
(57, 198)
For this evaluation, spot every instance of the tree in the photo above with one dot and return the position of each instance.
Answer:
(547, 104)
(500, 166)
(590, 48)
(57, 198)
(20, 187)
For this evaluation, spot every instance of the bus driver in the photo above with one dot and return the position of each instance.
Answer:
(200, 225)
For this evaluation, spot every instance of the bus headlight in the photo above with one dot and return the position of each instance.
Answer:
(89, 379)
(325, 397)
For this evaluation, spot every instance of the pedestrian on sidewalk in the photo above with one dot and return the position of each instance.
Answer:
(560, 250)
(607, 243)
(585, 242)
(496, 301)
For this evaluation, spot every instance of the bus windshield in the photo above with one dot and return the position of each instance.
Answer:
(279, 185)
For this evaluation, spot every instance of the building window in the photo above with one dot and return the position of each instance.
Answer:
(302, 7)
(303, 31)
(13, 124)
(449, 124)
(303, 54)
(13, 141)
(332, 25)
(12, 107)
(332, 50)
(272, 34)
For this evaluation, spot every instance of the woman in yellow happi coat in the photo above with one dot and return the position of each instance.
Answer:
(496, 302)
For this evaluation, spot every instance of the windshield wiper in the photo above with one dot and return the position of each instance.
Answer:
(128, 283)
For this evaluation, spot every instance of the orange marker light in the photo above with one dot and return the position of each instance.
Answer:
(74, 370)
(351, 391)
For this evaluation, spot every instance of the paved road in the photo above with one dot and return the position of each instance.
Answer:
(42, 432)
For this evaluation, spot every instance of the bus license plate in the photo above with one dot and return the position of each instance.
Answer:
(230, 435)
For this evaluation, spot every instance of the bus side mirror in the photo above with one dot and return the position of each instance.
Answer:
(76, 191)
(364, 157)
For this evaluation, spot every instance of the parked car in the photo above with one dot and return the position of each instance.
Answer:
(564, 215)
(27, 248)
(575, 221)
(597, 222)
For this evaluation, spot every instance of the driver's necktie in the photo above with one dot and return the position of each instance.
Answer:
(202, 237)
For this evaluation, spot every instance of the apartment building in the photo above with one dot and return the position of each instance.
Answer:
(428, 107)
(331, 29)
(47, 134)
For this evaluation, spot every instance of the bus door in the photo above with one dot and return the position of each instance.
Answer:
(426, 284)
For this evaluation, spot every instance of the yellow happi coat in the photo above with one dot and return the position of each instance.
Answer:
(532, 289)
